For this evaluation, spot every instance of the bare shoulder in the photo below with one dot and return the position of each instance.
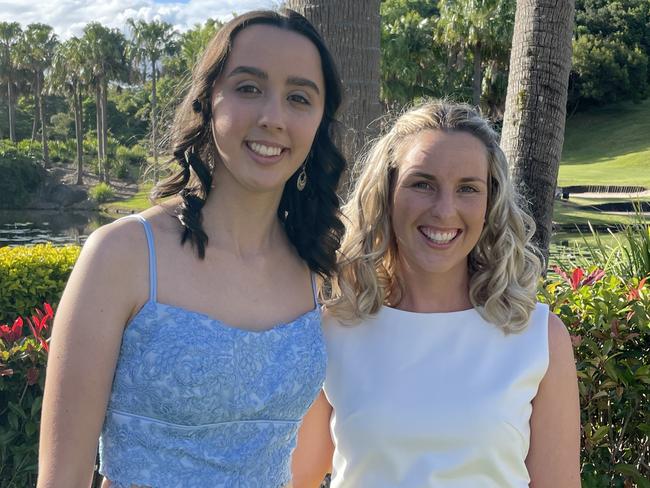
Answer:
(559, 345)
(114, 264)
(121, 243)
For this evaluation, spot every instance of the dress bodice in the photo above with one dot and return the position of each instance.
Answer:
(196, 402)
(432, 399)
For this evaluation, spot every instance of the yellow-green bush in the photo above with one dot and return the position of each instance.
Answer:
(31, 275)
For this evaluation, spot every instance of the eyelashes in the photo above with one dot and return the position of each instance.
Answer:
(254, 90)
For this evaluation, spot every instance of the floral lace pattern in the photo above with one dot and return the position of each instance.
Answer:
(198, 403)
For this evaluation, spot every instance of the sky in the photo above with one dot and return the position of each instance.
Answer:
(68, 17)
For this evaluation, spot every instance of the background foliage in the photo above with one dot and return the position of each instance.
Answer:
(31, 275)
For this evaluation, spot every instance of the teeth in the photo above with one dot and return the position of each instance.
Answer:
(263, 150)
(438, 237)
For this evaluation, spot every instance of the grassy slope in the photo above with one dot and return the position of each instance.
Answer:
(605, 146)
(608, 146)
(140, 201)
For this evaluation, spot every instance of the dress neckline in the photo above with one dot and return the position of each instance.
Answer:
(224, 325)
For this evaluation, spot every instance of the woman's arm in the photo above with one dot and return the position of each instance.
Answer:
(312, 458)
(97, 302)
(554, 457)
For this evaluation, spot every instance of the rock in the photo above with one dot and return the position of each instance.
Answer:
(65, 195)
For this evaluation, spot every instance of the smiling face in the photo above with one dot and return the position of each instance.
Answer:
(266, 108)
(439, 202)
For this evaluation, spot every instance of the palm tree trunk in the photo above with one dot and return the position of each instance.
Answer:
(477, 79)
(41, 109)
(78, 129)
(105, 130)
(351, 29)
(533, 128)
(99, 119)
(12, 109)
(36, 117)
(154, 135)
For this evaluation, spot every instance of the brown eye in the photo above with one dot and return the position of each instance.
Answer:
(248, 89)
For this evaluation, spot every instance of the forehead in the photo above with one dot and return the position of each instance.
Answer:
(436, 151)
(274, 49)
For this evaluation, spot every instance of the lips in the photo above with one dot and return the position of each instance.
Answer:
(439, 237)
(265, 150)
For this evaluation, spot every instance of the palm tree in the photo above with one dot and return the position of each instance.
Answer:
(154, 40)
(105, 54)
(533, 128)
(10, 34)
(340, 21)
(67, 77)
(480, 27)
(35, 51)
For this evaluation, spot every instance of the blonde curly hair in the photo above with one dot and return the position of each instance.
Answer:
(504, 266)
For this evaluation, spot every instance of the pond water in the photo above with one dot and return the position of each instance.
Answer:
(19, 227)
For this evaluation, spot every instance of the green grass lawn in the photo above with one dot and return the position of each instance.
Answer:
(608, 146)
(137, 203)
(569, 213)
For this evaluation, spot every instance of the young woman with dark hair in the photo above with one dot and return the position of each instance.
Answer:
(188, 338)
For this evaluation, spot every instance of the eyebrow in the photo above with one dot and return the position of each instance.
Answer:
(467, 179)
(262, 75)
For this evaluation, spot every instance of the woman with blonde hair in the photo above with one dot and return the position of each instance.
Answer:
(443, 370)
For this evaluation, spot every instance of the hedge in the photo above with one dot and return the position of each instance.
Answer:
(608, 319)
(31, 275)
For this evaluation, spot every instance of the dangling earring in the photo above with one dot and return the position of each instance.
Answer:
(301, 182)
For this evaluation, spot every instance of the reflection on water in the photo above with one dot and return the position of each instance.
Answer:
(19, 227)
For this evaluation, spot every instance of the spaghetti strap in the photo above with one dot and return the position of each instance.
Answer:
(153, 279)
(314, 289)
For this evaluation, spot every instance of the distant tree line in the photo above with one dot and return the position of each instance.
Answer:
(461, 48)
(104, 85)
(107, 87)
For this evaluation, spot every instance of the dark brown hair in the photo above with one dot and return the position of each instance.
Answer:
(311, 218)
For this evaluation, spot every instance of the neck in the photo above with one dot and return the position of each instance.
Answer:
(433, 292)
(241, 222)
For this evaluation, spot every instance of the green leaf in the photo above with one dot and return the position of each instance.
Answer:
(599, 434)
(610, 369)
(31, 428)
(632, 472)
(19, 411)
(13, 420)
(645, 428)
(36, 406)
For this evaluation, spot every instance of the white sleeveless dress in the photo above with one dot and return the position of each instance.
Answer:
(432, 399)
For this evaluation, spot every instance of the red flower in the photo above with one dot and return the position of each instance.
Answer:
(635, 292)
(13, 333)
(32, 376)
(38, 322)
(576, 281)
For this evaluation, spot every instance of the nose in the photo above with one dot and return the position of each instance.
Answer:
(444, 205)
(272, 115)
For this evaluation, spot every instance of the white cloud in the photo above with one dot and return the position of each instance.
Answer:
(68, 17)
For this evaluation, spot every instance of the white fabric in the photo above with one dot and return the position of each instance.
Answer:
(432, 399)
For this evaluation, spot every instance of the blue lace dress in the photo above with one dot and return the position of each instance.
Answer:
(197, 403)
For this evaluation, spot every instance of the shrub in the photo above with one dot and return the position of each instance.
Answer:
(102, 193)
(609, 322)
(23, 356)
(135, 155)
(31, 275)
(29, 147)
(21, 175)
(63, 151)
(628, 258)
